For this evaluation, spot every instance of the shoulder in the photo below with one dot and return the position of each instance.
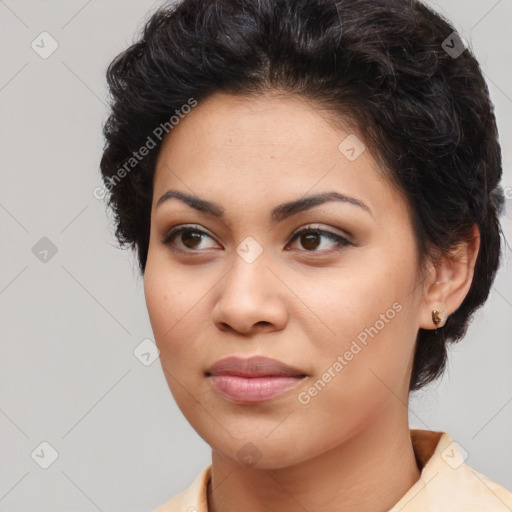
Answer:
(478, 492)
(192, 499)
(447, 483)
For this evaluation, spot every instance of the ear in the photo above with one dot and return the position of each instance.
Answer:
(448, 281)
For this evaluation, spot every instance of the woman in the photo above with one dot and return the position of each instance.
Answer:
(313, 191)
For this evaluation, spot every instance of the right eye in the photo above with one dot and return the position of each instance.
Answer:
(190, 238)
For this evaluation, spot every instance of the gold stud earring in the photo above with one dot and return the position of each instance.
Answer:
(436, 318)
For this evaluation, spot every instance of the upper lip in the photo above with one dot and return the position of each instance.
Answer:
(256, 366)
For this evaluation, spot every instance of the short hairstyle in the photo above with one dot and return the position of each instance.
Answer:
(424, 114)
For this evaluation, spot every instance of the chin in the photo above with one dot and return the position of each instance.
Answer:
(261, 453)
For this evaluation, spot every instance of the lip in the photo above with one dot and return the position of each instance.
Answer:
(256, 366)
(252, 380)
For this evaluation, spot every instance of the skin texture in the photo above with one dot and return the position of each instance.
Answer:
(302, 302)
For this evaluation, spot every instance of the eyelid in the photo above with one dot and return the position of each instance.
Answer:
(315, 226)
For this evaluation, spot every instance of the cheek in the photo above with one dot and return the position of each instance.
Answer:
(173, 310)
(370, 315)
(170, 304)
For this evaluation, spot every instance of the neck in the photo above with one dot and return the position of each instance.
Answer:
(358, 474)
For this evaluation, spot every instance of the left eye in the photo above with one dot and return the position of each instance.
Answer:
(310, 237)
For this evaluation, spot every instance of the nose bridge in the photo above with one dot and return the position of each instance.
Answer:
(249, 271)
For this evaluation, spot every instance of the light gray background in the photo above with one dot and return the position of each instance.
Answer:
(69, 326)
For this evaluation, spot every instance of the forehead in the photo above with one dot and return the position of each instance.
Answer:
(268, 148)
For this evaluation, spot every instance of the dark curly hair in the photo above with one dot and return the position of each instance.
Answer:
(383, 65)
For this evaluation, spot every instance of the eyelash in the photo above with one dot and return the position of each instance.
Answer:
(340, 240)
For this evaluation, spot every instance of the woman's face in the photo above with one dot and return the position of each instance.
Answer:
(344, 312)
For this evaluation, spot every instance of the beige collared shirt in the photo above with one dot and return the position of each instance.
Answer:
(446, 483)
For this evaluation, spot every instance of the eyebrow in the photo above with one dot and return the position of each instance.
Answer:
(279, 213)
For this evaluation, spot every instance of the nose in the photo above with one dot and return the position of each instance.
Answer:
(251, 299)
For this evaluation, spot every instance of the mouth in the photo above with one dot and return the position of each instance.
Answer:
(252, 380)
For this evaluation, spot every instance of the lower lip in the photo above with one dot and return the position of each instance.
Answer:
(252, 389)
